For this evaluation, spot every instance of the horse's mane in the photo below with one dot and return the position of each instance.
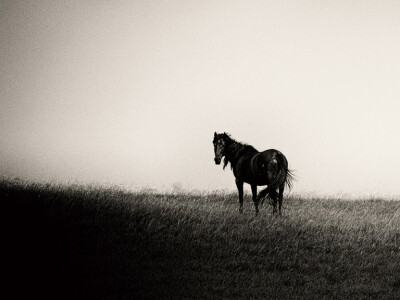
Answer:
(238, 149)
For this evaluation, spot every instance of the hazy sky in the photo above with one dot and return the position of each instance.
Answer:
(131, 92)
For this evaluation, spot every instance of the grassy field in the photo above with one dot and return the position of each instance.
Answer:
(85, 242)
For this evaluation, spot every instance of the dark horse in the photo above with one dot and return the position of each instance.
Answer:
(269, 168)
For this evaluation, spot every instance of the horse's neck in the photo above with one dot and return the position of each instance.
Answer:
(234, 151)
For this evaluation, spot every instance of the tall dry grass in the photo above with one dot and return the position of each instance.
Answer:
(91, 242)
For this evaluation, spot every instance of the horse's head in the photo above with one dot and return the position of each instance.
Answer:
(219, 142)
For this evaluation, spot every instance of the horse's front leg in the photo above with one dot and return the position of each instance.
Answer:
(239, 185)
(255, 199)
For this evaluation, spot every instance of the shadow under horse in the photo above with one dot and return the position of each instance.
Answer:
(256, 168)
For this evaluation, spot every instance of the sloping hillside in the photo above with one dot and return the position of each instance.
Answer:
(85, 242)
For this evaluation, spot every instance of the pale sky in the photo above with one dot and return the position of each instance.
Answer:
(131, 92)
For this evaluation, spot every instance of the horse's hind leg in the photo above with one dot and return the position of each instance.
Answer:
(239, 185)
(280, 198)
(274, 196)
(255, 199)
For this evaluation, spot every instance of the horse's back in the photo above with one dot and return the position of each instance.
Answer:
(270, 153)
(274, 155)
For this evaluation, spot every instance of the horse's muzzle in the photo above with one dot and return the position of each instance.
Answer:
(217, 161)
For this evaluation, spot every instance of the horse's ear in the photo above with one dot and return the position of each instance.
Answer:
(215, 134)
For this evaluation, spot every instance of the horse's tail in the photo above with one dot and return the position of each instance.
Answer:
(288, 176)
(284, 177)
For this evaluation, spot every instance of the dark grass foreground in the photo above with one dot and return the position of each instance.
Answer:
(105, 243)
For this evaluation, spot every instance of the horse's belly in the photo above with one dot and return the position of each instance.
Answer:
(252, 175)
(258, 180)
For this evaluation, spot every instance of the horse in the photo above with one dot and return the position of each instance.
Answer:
(269, 167)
